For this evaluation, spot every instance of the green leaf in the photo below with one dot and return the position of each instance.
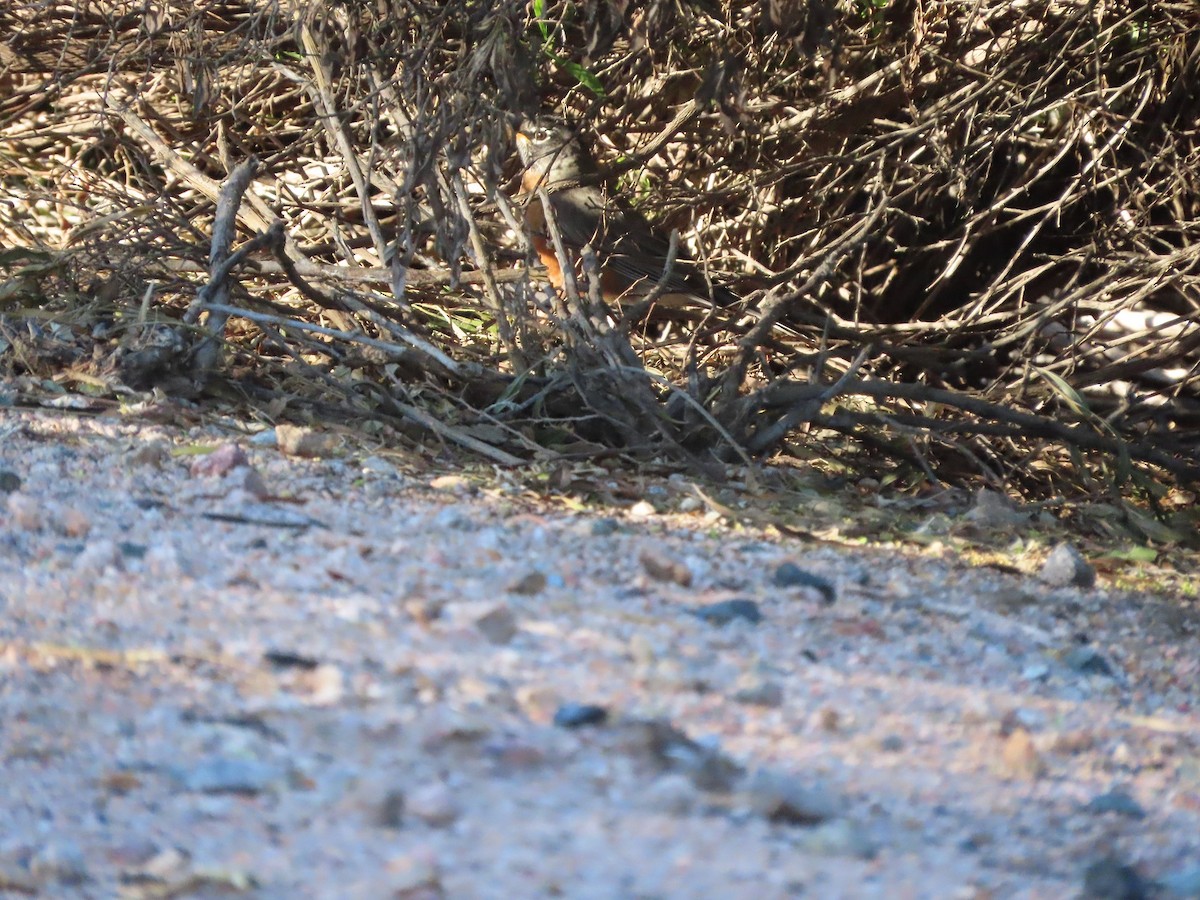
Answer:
(1132, 554)
(1064, 390)
(587, 79)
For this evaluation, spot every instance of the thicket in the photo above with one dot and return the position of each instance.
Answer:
(966, 235)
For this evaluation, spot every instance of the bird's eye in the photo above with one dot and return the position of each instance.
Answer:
(541, 135)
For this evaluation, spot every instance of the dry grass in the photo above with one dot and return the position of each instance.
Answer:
(966, 234)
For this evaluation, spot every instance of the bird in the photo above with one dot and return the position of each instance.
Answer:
(631, 254)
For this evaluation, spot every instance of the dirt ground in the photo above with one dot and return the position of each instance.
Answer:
(227, 669)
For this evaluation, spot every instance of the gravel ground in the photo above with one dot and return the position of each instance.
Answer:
(246, 672)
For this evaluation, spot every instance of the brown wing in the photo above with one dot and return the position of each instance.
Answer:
(632, 254)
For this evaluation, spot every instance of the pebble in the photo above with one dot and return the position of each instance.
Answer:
(454, 484)
(1088, 661)
(1020, 757)
(779, 797)
(326, 685)
(434, 804)
(225, 775)
(498, 624)
(891, 743)
(9, 481)
(390, 810)
(1116, 801)
(755, 690)
(789, 575)
(662, 567)
(839, 837)
(1111, 879)
(223, 459)
(1066, 567)
(295, 440)
(642, 510)
(672, 793)
(577, 715)
(529, 584)
(605, 527)
(725, 611)
(267, 438)
(61, 862)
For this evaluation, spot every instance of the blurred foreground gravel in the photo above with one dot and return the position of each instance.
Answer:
(243, 673)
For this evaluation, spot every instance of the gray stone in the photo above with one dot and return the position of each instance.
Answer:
(1119, 802)
(577, 715)
(726, 611)
(756, 691)
(791, 575)
(1066, 567)
(839, 837)
(434, 804)
(498, 624)
(1111, 879)
(225, 775)
(1088, 661)
(785, 798)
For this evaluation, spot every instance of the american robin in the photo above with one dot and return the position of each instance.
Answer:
(631, 255)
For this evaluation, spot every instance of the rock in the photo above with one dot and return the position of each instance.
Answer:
(10, 481)
(605, 527)
(267, 439)
(784, 798)
(60, 863)
(297, 441)
(661, 567)
(1116, 801)
(726, 611)
(993, 511)
(839, 837)
(1110, 879)
(755, 690)
(891, 743)
(290, 659)
(642, 510)
(1020, 757)
(672, 794)
(511, 755)
(434, 804)
(454, 484)
(529, 584)
(389, 812)
(788, 575)
(225, 775)
(1066, 567)
(1088, 661)
(578, 715)
(498, 624)
(326, 685)
(222, 460)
